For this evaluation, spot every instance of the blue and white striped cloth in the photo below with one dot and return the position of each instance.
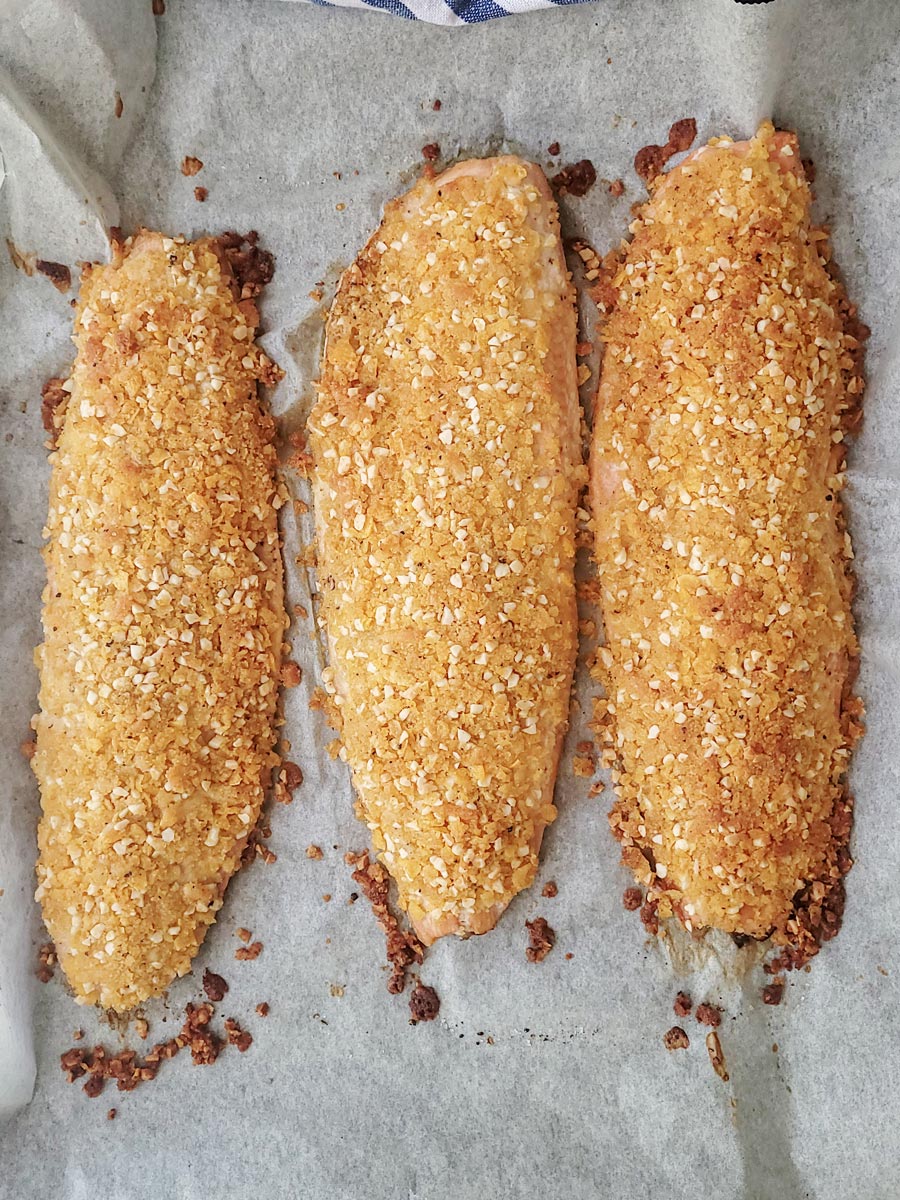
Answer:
(450, 12)
(460, 12)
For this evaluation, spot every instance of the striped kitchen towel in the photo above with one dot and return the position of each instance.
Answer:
(450, 12)
(460, 12)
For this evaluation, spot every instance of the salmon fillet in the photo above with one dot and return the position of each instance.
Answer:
(730, 378)
(446, 440)
(163, 616)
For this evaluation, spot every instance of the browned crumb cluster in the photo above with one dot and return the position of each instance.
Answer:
(289, 779)
(550, 891)
(773, 993)
(541, 939)
(314, 852)
(424, 1004)
(191, 165)
(46, 962)
(731, 378)
(54, 397)
(403, 947)
(446, 437)
(96, 1066)
(163, 615)
(709, 1014)
(676, 1039)
(683, 1005)
(249, 953)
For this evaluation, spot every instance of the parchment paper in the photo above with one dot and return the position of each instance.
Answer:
(547, 1079)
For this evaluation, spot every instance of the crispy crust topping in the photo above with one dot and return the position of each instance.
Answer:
(163, 617)
(731, 376)
(447, 470)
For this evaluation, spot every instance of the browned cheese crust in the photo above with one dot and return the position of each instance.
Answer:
(163, 618)
(730, 377)
(446, 442)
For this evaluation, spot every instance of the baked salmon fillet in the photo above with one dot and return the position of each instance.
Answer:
(163, 614)
(731, 375)
(446, 441)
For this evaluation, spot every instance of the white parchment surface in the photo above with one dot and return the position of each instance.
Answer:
(537, 1080)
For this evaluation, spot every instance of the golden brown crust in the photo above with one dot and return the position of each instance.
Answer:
(163, 618)
(446, 440)
(729, 378)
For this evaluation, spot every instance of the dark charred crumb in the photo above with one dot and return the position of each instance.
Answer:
(716, 1057)
(314, 852)
(683, 1005)
(436, 106)
(201, 194)
(550, 891)
(353, 897)
(290, 674)
(676, 1039)
(650, 161)
(289, 779)
(58, 273)
(649, 916)
(553, 149)
(263, 1010)
(424, 1004)
(773, 993)
(577, 179)
(243, 934)
(682, 135)
(191, 165)
(119, 107)
(252, 268)
(255, 846)
(431, 152)
(158, 7)
(112, 1114)
(541, 940)
(403, 947)
(632, 898)
(741, 940)
(617, 188)
(46, 962)
(237, 1036)
(709, 1014)
(248, 953)
(214, 986)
